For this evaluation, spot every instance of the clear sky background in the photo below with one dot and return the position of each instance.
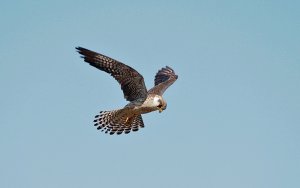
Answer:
(233, 116)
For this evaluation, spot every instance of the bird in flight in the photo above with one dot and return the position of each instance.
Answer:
(132, 83)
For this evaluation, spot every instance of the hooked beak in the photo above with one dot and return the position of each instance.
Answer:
(162, 108)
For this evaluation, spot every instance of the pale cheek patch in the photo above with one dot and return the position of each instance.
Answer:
(155, 101)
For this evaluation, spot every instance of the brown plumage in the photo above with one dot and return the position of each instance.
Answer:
(132, 83)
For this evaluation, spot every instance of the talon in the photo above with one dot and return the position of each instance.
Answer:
(126, 119)
(160, 110)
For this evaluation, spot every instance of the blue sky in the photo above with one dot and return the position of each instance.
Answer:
(232, 118)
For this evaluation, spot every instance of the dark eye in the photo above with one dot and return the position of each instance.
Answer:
(160, 103)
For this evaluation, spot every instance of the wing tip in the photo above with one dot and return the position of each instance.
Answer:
(168, 70)
(79, 48)
(81, 51)
(86, 54)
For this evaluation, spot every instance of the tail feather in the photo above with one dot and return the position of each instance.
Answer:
(116, 122)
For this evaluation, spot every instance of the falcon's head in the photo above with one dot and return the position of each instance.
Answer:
(159, 103)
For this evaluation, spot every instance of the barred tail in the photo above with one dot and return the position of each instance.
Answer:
(116, 121)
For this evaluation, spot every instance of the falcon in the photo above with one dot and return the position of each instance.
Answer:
(132, 83)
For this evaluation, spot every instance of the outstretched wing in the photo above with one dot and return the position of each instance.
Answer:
(163, 79)
(132, 83)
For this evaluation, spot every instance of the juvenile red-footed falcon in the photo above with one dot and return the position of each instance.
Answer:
(132, 83)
